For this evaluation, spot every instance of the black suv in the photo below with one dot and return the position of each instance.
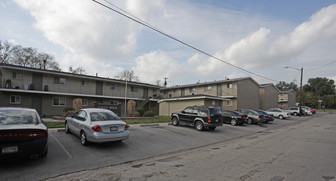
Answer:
(198, 116)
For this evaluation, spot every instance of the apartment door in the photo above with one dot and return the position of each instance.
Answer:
(37, 81)
(37, 103)
(219, 90)
(145, 92)
(182, 92)
(99, 88)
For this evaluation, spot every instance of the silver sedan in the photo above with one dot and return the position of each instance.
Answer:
(96, 125)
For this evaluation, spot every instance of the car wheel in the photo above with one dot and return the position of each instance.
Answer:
(83, 139)
(175, 121)
(233, 122)
(45, 153)
(212, 127)
(199, 125)
(249, 121)
(67, 128)
(295, 114)
(281, 117)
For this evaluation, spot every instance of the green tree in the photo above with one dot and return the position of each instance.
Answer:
(78, 70)
(127, 75)
(282, 85)
(320, 86)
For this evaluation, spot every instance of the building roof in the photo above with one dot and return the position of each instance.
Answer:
(192, 97)
(211, 82)
(61, 73)
(268, 85)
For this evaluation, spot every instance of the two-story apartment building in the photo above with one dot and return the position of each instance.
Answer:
(287, 99)
(268, 96)
(230, 94)
(49, 92)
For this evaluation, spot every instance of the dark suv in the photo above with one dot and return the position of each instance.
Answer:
(198, 116)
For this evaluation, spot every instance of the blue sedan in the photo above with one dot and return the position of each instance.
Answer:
(269, 117)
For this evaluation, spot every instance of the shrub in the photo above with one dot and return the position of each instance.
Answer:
(141, 111)
(149, 114)
(68, 109)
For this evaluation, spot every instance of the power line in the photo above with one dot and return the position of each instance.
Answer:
(134, 18)
(316, 68)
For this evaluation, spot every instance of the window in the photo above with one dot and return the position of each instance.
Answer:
(114, 102)
(58, 101)
(114, 87)
(207, 88)
(15, 99)
(213, 103)
(229, 102)
(85, 82)
(85, 102)
(17, 75)
(192, 90)
(134, 89)
(58, 80)
(229, 85)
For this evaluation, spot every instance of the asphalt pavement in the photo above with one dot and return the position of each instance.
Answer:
(301, 151)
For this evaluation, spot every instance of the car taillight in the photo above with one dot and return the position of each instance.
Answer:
(240, 117)
(209, 119)
(126, 126)
(18, 135)
(96, 128)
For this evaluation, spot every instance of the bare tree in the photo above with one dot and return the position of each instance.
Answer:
(127, 75)
(78, 70)
(5, 51)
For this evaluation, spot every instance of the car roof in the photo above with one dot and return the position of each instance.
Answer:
(96, 110)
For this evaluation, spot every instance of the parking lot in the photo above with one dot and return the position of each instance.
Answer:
(67, 155)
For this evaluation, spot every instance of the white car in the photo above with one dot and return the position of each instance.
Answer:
(96, 125)
(306, 110)
(279, 113)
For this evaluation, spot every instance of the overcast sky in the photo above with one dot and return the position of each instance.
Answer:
(259, 36)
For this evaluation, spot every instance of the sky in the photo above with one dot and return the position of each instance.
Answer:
(260, 37)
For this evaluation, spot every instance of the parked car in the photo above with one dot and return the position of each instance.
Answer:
(199, 117)
(96, 125)
(22, 134)
(268, 117)
(311, 109)
(253, 116)
(233, 117)
(279, 113)
(306, 111)
(295, 111)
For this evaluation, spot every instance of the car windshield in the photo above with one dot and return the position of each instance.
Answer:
(103, 116)
(253, 112)
(13, 117)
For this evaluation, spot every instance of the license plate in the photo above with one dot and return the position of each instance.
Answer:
(114, 128)
(11, 149)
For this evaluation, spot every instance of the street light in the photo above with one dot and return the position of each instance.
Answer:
(300, 98)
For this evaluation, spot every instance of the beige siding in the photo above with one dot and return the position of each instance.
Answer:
(268, 97)
(167, 107)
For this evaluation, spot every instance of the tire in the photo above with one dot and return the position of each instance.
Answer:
(199, 126)
(295, 114)
(281, 117)
(44, 154)
(212, 127)
(83, 139)
(233, 122)
(175, 121)
(249, 121)
(67, 130)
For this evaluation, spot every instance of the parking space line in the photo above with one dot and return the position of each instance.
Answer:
(60, 145)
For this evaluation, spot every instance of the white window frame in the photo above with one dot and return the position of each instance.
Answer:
(85, 102)
(207, 88)
(17, 99)
(192, 90)
(229, 102)
(85, 83)
(134, 89)
(229, 85)
(59, 101)
(60, 80)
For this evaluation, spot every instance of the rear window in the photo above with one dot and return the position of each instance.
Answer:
(13, 117)
(103, 116)
(214, 111)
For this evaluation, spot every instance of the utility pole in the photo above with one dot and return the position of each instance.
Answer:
(301, 91)
(165, 81)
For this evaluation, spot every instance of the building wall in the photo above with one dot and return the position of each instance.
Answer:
(268, 97)
(234, 105)
(168, 107)
(248, 94)
(291, 99)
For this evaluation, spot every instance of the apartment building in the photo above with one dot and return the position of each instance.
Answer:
(268, 96)
(287, 99)
(230, 94)
(49, 92)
